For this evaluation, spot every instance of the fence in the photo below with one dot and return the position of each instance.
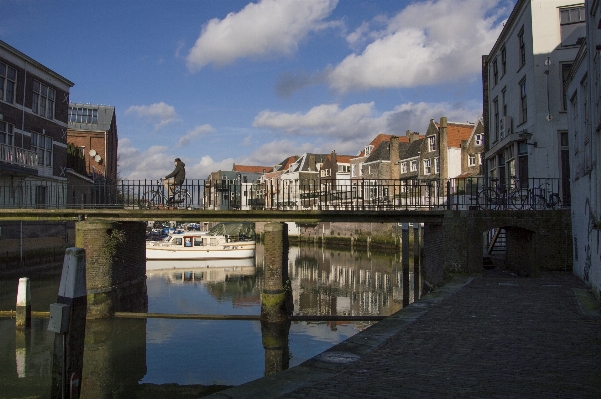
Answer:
(293, 194)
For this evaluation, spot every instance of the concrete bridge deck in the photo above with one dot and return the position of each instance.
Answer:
(478, 337)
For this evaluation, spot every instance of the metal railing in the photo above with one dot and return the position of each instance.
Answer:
(473, 193)
(18, 156)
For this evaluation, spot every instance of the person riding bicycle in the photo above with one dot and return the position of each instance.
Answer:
(175, 178)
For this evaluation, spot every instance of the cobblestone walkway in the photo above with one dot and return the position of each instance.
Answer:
(497, 337)
(494, 336)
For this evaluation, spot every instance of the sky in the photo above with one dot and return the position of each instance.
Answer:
(218, 82)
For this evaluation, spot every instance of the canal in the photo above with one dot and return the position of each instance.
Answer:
(165, 357)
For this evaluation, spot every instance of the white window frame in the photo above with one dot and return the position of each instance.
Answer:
(404, 167)
(431, 143)
(471, 160)
(427, 167)
(413, 166)
(437, 165)
(479, 140)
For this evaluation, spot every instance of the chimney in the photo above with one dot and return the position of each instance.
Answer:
(443, 141)
(395, 167)
(413, 136)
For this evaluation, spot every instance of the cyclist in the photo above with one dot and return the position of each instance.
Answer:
(175, 178)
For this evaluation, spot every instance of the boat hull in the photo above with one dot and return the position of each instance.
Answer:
(230, 251)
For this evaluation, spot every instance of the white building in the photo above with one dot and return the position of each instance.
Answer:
(584, 125)
(524, 103)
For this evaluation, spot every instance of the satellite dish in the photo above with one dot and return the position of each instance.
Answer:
(97, 158)
(92, 153)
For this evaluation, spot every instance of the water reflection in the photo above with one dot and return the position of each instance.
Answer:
(142, 358)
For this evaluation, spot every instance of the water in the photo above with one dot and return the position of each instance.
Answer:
(130, 357)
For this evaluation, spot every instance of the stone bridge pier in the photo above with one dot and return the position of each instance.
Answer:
(115, 266)
(535, 241)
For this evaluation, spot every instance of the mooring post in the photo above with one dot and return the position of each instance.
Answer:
(405, 263)
(68, 322)
(416, 263)
(276, 297)
(23, 309)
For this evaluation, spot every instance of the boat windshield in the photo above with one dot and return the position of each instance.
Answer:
(244, 230)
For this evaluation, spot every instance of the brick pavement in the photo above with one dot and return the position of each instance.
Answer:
(494, 336)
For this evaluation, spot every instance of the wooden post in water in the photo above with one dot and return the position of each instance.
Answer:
(68, 322)
(23, 309)
(405, 263)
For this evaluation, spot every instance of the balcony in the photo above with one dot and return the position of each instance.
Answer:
(18, 160)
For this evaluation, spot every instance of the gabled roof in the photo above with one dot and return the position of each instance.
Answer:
(344, 158)
(376, 142)
(457, 132)
(478, 129)
(285, 164)
(382, 153)
(252, 168)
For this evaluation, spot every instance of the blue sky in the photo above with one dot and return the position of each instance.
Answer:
(217, 82)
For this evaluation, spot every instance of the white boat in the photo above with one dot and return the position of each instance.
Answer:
(225, 241)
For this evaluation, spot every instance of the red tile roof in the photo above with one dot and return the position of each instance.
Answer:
(252, 168)
(457, 132)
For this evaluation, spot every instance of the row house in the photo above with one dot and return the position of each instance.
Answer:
(272, 189)
(301, 182)
(525, 104)
(583, 87)
(234, 189)
(335, 176)
(33, 131)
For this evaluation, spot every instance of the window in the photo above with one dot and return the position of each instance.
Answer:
(427, 167)
(42, 144)
(480, 139)
(495, 119)
(471, 160)
(523, 102)
(495, 71)
(503, 61)
(432, 143)
(6, 134)
(368, 149)
(413, 166)
(504, 100)
(83, 115)
(436, 165)
(343, 168)
(572, 25)
(522, 47)
(565, 71)
(404, 167)
(43, 100)
(8, 83)
(354, 170)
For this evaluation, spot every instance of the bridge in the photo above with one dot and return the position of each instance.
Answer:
(456, 215)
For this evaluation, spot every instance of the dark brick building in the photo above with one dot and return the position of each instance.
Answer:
(34, 102)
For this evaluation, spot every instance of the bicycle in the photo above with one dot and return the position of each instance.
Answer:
(499, 197)
(543, 198)
(156, 198)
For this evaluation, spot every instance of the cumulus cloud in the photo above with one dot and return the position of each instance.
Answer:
(359, 121)
(427, 43)
(266, 28)
(161, 113)
(192, 135)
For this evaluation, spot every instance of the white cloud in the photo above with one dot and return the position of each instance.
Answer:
(194, 134)
(161, 112)
(157, 161)
(427, 43)
(267, 28)
(361, 121)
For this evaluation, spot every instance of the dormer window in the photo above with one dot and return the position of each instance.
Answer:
(368, 149)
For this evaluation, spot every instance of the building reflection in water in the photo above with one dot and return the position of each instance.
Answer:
(324, 282)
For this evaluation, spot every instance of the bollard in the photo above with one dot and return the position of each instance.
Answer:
(23, 304)
(68, 322)
(405, 263)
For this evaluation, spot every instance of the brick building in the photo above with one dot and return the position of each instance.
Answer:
(93, 129)
(33, 131)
